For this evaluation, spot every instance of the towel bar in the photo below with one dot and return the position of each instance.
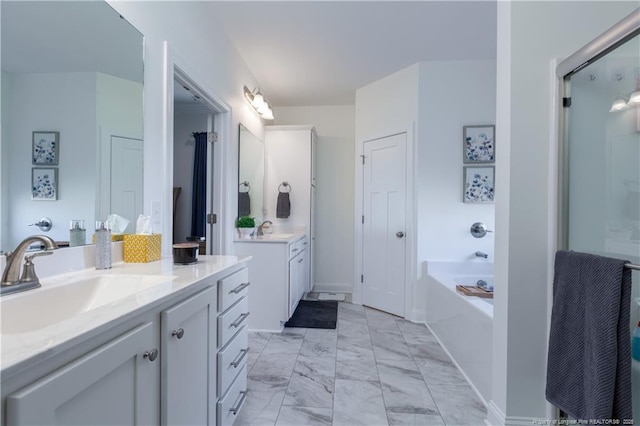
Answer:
(632, 266)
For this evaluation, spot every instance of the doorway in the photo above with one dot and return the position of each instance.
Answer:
(197, 112)
(384, 223)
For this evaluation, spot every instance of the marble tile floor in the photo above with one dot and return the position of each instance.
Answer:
(374, 369)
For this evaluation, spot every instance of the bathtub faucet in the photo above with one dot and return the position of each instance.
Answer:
(481, 254)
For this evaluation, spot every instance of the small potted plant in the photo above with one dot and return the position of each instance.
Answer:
(246, 225)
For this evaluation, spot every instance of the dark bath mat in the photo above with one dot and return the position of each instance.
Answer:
(315, 314)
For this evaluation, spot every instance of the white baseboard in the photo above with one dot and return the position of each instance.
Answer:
(495, 417)
(333, 288)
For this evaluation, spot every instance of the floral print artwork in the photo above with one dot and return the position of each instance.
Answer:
(45, 148)
(43, 186)
(479, 145)
(479, 185)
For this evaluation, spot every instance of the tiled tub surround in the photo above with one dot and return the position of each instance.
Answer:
(462, 324)
(374, 369)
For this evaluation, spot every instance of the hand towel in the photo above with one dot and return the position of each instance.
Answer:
(589, 358)
(244, 204)
(283, 205)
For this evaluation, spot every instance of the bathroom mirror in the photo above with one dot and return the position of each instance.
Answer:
(72, 78)
(250, 174)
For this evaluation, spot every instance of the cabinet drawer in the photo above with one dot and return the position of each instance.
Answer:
(229, 406)
(232, 288)
(232, 359)
(296, 247)
(232, 321)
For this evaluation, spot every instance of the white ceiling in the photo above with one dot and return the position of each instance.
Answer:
(320, 52)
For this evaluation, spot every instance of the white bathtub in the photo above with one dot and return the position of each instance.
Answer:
(463, 324)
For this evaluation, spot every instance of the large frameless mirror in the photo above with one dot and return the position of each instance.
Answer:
(250, 174)
(72, 78)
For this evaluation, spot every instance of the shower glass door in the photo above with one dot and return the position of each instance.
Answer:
(601, 171)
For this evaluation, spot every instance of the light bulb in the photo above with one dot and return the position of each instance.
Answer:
(618, 104)
(268, 115)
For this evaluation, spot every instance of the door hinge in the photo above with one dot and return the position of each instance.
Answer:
(566, 102)
(361, 278)
(362, 218)
(212, 137)
(212, 218)
(362, 158)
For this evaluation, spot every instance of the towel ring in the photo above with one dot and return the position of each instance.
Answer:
(245, 183)
(286, 185)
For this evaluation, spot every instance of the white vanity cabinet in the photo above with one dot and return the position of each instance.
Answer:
(188, 347)
(112, 384)
(169, 364)
(279, 278)
(290, 156)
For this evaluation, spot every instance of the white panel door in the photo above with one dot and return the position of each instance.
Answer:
(384, 201)
(126, 179)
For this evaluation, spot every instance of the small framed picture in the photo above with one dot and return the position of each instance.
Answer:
(46, 148)
(44, 184)
(478, 144)
(478, 184)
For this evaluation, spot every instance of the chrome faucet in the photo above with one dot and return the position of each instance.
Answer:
(261, 227)
(12, 282)
(481, 254)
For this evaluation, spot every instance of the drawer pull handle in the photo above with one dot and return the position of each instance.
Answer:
(240, 288)
(178, 333)
(238, 360)
(239, 321)
(151, 355)
(243, 396)
(295, 249)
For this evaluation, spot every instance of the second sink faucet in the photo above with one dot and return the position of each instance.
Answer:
(260, 231)
(12, 282)
(481, 254)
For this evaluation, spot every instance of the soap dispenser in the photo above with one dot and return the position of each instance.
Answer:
(103, 245)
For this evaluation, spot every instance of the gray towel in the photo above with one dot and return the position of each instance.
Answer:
(589, 359)
(283, 205)
(244, 204)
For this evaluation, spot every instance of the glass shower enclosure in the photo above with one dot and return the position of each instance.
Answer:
(600, 156)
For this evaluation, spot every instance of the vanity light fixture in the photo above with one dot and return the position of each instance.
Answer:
(258, 102)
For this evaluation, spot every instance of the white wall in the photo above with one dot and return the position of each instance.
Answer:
(186, 121)
(36, 101)
(451, 95)
(530, 36)
(206, 53)
(433, 101)
(335, 125)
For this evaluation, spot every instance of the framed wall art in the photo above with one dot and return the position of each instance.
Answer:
(44, 184)
(478, 144)
(478, 184)
(46, 148)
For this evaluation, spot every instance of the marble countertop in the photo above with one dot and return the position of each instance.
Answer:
(19, 348)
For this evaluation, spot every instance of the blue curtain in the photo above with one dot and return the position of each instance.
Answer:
(199, 195)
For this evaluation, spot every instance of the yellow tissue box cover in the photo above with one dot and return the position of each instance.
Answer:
(142, 248)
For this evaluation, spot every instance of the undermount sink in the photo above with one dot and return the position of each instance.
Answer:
(34, 309)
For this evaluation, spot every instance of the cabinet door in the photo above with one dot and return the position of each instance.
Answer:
(114, 385)
(188, 341)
